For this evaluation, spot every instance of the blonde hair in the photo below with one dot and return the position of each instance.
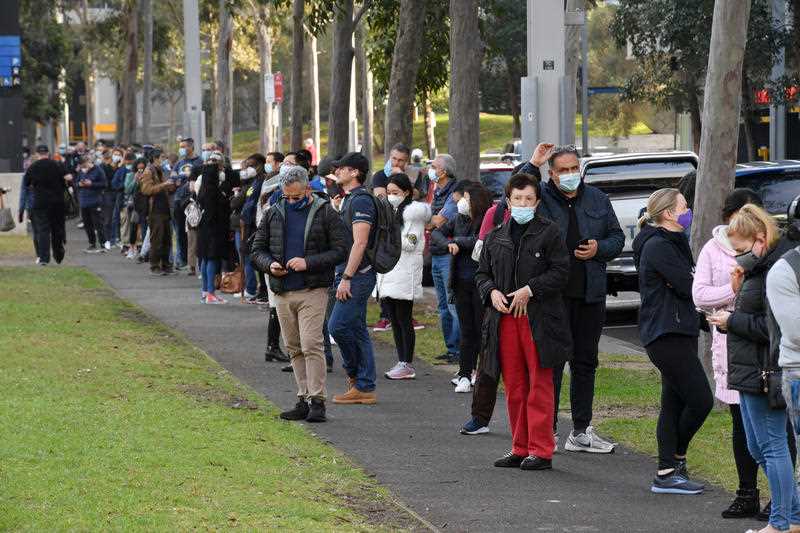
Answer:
(752, 220)
(659, 203)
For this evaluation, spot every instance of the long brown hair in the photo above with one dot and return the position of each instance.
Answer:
(480, 200)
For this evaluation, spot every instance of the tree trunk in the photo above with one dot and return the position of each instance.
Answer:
(398, 126)
(367, 110)
(514, 101)
(430, 128)
(315, 120)
(223, 121)
(466, 53)
(265, 116)
(296, 106)
(147, 78)
(341, 68)
(748, 119)
(696, 118)
(173, 123)
(720, 132)
(571, 64)
(131, 70)
(88, 79)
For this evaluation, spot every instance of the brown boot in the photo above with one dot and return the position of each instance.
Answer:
(355, 396)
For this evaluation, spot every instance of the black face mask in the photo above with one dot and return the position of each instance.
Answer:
(747, 260)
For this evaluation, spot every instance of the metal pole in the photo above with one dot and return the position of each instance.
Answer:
(194, 120)
(585, 88)
(777, 114)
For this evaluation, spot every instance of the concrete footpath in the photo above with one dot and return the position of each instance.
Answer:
(410, 439)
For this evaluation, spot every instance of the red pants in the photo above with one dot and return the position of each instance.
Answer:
(529, 390)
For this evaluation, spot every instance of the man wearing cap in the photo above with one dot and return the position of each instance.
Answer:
(47, 179)
(355, 280)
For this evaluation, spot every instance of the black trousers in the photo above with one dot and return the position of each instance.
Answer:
(160, 239)
(484, 396)
(109, 200)
(686, 397)
(470, 318)
(405, 338)
(586, 325)
(746, 466)
(93, 224)
(48, 230)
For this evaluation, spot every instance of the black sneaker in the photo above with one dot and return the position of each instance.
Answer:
(681, 469)
(536, 463)
(317, 411)
(275, 354)
(287, 368)
(300, 411)
(745, 505)
(509, 460)
(167, 271)
(329, 368)
(91, 249)
(763, 516)
(443, 357)
(155, 271)
(675, 484)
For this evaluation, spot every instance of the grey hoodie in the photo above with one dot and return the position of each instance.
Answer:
(783, 294)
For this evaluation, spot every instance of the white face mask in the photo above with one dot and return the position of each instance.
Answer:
(249, 172)
(395, 200)
(463, 207)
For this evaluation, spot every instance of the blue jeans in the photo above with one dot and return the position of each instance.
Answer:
(209, 268)
(440, 270)
(766, 439)
(250, 281)
(348, 325)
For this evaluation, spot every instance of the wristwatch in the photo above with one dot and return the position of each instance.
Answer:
(346, 277)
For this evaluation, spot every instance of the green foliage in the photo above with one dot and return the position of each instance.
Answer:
(671, 39)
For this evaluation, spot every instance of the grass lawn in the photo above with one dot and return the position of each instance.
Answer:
(15, 246)
(495, 132)
(109, 421)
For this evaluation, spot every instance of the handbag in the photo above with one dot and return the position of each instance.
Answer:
(6, 216)
(232, 282)
(772, 382)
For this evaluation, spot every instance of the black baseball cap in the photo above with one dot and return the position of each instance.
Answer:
(326, 166)
(354, 160)
(42, 149)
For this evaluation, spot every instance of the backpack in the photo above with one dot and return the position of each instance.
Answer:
(383, 252)
(193, 214)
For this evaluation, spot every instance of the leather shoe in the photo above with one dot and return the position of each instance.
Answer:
(535, 463)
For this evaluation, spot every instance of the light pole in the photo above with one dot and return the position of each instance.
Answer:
(777, 113)
(194, 118)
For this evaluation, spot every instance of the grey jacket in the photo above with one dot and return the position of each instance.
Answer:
(783, 294)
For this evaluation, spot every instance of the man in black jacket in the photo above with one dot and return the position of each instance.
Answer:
(299, 242)
(593, 236)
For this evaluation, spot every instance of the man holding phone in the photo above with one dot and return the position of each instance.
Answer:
(593, 236)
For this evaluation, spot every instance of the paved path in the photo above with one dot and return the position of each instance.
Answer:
(410, 440)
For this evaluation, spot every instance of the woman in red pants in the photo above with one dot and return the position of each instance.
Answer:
(523, 269)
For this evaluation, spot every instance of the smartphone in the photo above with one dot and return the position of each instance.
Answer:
(583, 242)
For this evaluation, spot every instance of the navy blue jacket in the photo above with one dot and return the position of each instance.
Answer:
(91, 196)
(596, 220)
(666, 271)
(118, 180)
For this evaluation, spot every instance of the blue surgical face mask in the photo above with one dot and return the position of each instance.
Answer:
(268, 168)
(129, 167)
(387, 168)
(298, 205)
(182, 152)
(569, 182)
(432, 175)
(204, 154)
(522, 215)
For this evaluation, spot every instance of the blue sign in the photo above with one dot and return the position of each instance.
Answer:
(10, 60)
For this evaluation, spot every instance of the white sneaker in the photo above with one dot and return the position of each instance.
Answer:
(107, 245)
(464, 385)
(588, 442)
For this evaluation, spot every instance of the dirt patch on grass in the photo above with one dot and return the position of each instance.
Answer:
(605, 412)
(382, 513)
(136, 315)
(209, 395)
(641, 366)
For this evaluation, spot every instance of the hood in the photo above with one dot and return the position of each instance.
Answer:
(720, 234)
(645, 234)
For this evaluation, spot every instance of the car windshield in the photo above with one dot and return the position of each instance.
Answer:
(495, 181)
(628, 173)
(777, 189)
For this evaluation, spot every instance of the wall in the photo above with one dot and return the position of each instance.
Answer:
(12, 181)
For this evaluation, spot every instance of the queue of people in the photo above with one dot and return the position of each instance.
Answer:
(520, 287)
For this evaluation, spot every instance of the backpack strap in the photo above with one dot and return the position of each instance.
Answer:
(793, 258)
(499, 213)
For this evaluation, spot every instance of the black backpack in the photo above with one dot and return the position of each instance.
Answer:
(383, 252)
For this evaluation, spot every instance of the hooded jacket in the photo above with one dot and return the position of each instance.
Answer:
(666, 272)
(324, 241)
(712, 290)
(404, 281)
(753, 335)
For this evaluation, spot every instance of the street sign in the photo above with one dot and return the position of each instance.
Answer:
(269, 88)
(279, 87)
(10, 60)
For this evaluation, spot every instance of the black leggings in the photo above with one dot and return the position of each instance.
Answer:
(93, 224)
(470, 319)
(746, 466)
(686, 396)
(405, 338)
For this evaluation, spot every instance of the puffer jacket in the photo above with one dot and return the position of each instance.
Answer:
(325, 242)
(712, 289)
(92, 195)
(542, 263)
(751, 343)
(666, 270)
(404, 281)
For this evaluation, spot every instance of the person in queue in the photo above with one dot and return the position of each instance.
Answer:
(212, 233)
(523, 268)
(91, 183)
(157, 189)
(753, 351)
(668, 328)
